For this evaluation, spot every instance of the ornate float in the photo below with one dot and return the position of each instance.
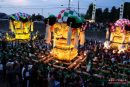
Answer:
(66, 33)
(120, 35)
(21, 27)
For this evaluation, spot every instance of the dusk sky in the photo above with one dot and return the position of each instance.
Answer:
(46, 7)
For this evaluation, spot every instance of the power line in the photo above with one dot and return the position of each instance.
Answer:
(40, 7)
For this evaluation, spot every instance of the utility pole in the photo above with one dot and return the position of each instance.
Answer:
(69, 4)
(78, 7)
(94, 11)
(121, 10)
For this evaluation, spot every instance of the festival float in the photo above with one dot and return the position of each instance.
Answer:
(21, 27)
(66, 33)
(120, 35)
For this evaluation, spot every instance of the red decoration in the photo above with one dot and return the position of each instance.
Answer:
(59, 16)
(122, 29)
(112, 28)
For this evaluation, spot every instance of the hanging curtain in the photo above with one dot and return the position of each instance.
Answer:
(123, 39)
(54, 41)
(12, 27)
(82, 38)
(48, 34)
(107, 33)
(111, 37)
(32, 26)
(76, 38)
(69, 35)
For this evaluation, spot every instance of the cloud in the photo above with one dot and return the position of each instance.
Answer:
(15, 2)
(46, 7)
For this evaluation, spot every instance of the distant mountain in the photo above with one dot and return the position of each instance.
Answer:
(3, 16)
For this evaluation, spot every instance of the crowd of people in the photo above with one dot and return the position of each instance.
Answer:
(19, 67)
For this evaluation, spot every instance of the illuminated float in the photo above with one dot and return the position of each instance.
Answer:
(120, 35)
(67, 32)
(21, 26)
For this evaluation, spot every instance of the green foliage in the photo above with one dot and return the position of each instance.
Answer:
(114, 14)
(37, 17)
(127, 10)
(99, 15)
(105, 15)
(108, 15)
(89, 12)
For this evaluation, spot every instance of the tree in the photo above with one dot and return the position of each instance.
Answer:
(39, 17)
(127, 10)
(33, 17)
(82, 15)
(106, 15)
(3, 16)
(89, 12)
(114, 14)
(98, 16)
